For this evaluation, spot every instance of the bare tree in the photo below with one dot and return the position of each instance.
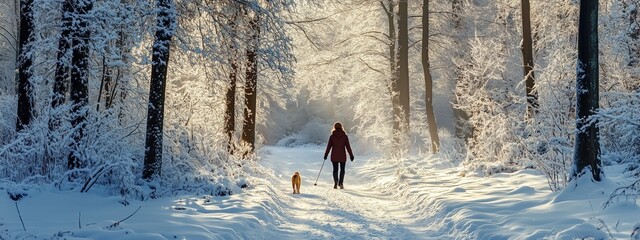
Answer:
(587, 145)
(230, 101)
(78, 87)
(403, 66)
(527, 59)
(460, 116)
(428, 81)
(161, 47)
(62, 64)
(25, 87)
(251, 82)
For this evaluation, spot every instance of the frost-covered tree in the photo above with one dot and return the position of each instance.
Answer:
(165, 28)
(78, 86)
(527, 58)
(587, 145)
(64, 47)
(251, 83)
(25, 85)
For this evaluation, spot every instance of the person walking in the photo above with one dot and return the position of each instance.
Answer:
(338, 142)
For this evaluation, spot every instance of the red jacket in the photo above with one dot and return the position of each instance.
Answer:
(338, 141)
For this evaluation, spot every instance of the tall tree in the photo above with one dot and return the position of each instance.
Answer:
(230, 101)
(527, 59)
(428, 80)
(389, 9)
(62, 64)
(587, 146)
(165, 25)
(633, 40)
(461, 118)
(25, 87)
(78, 87)
(251, 82)
(403, 65)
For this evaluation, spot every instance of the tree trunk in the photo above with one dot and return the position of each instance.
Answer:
(230, 111)
(461, 118)
(393, 65)
(403, 66)
(62, 65)
(155, 115)
(527, 59)
(428, 81)
(587, 148)
(25, 87)
(79, 79)
(250, 88)
(631, 6)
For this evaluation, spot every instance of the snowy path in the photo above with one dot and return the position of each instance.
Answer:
(418, 198)
(356, 212)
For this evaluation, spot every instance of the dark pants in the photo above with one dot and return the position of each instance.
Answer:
(335, 172)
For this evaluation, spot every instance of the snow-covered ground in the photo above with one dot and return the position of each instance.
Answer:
(383, 199)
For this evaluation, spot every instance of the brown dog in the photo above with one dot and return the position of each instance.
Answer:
(295, 182)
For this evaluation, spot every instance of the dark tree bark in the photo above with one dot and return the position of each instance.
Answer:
(250, 88)
(25, 87)
(105, 84)
(230, 116)
(155, 115)
(62, 65)
(527, 59)
(230, 101)
(403, 65)
(79, 90)
(587, 147)
(428, 80)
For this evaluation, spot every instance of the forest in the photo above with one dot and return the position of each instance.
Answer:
(153, 99)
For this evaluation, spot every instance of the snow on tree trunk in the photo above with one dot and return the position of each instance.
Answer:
(230, 101)
(527, 59)
(155, 115)
(62, 64)
(79, 90)
(25, 87)
(587, 148)
(250, 88)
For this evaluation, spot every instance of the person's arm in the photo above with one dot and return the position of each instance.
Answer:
(329, 144)
(349, 149)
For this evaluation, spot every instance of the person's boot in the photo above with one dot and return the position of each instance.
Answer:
(341, 186)
(335, 185)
